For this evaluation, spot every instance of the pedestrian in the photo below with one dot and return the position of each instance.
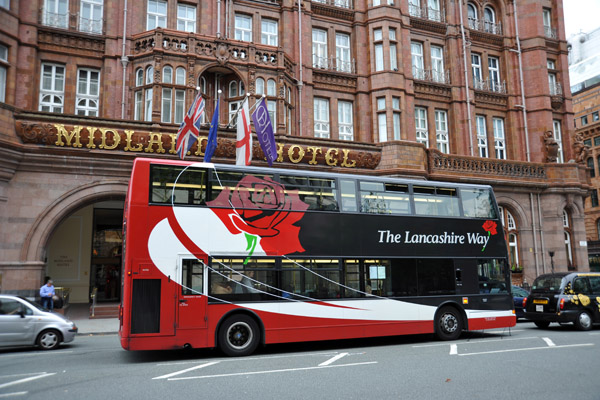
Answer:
(46, 293)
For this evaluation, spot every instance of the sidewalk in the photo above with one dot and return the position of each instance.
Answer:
(80, 314)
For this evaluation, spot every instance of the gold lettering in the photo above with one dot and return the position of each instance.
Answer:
(291, 153)
(345, 160)
(91, 132)
(116, 139)
(173, 149)
(315, 151)
(199, 151)
(128, 145)
(61, 133)
(155, 138)
(279, 152)
(331, 159)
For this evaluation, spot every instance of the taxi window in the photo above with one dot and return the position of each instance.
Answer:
(595, 284)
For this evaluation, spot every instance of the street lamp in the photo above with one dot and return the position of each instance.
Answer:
(551, 253)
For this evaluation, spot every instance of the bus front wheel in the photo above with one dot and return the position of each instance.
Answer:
(448, 324)
(239, 336)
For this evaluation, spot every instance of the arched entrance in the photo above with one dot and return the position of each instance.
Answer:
(78, 239)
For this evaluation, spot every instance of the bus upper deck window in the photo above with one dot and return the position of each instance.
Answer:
(348, 189)
(477, 203)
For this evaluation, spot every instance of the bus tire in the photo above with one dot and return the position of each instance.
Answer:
(239, 336)
(448, 324)
(583, 322)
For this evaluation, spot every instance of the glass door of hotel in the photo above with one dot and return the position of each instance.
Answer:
(105, 274)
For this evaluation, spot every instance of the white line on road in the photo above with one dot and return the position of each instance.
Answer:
(527, 349)
(271, 371)
(333, 359)
(241, 359)
(186, 370)
(35, 354)
(479, 341)
(453, 349)
(32, 378)
(5, 395)
(549, 342)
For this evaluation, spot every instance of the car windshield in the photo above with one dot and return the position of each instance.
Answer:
(548, 283)
(31, 303)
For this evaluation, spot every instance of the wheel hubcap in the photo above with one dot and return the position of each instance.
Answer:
(585, 320)
(449, 323)
(239, 335)
(49, 340)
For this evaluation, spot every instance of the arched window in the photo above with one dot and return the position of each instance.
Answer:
(568, 233)
(260, 86)
(242, 89)
(180, 76)
(489, 15)
(202, 84)
(471, 11)
(139, 77)
(512, 238)
(167, 75)
(233, 89)
(149, 77)
(271, 88)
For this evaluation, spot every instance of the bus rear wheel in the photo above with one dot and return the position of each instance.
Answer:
(448, 324)
(239, 336)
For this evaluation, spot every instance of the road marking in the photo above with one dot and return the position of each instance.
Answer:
(35, 354)
(333, 359)
(271, 371)
(480, 341)
(549, 342)
(186, 370)
(31, 378)
(453, 349)
(4, 395)
(527, 349)
(241, 359)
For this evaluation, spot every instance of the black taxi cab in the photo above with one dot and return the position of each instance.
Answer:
(565, 297)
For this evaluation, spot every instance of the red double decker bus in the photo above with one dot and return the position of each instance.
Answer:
(231, 257)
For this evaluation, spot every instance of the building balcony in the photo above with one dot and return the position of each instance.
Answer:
(490, 86)
(555, 89)
(337, 3)
(431, 75)
(72, 22)
(485, 26)
(334, 64)
(428, 13)
(550, 32)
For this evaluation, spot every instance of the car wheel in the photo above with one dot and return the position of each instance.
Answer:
(583, 321)
(542, 324)
(48, 339)
(239, 336)
(448, 324)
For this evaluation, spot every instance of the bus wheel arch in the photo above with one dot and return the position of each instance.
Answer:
(449, 322)
(239, 333)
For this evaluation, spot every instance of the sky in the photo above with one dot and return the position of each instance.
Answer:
(581, 15)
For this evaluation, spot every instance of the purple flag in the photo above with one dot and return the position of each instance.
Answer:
(264, 131)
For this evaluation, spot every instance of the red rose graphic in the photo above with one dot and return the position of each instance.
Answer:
(262, 207)
(490, 227)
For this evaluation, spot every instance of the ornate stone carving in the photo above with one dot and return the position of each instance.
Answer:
(551, 147)
(580, 149)
(222, 53)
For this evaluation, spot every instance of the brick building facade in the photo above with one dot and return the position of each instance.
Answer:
(458, 91)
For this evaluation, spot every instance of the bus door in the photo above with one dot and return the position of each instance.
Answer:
(465, 273)
(191, 304)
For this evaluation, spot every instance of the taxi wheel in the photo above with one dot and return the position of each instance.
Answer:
(48, 339)
(583, 321)
(239, 336)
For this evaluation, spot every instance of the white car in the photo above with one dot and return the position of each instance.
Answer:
(25, 323)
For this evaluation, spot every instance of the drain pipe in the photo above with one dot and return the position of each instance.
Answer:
(227, 2)
(467, 90)
(218, 19)
(300, 78)
(124, 61)
(523, 106)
